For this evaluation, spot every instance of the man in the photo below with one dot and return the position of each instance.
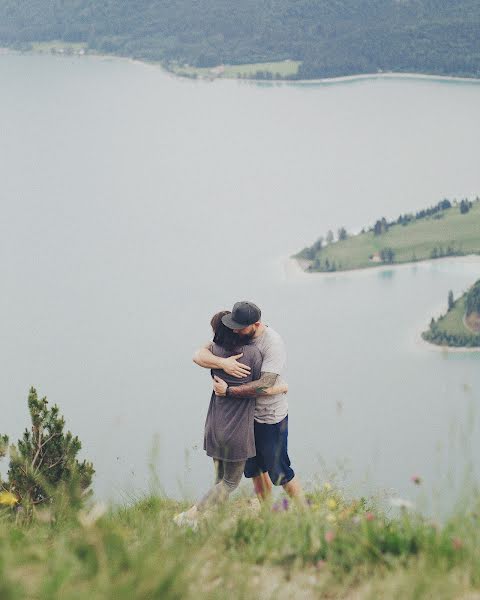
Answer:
(271, 465)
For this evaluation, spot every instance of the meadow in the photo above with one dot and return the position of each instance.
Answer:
(334, 548)
(453, 321)
(447, 233)
(266, 70)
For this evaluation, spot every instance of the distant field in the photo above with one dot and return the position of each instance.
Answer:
(275, 69)
(268, 70)
(57, 46)
(451, 234)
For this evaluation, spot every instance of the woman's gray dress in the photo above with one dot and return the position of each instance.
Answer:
(229, 431)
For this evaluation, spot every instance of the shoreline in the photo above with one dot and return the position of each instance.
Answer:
(324, 81)
(293, 271)
(389, 75)
(471, 258)
(452, 349)
(422, 343)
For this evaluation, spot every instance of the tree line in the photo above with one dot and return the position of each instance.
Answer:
(330, 38)
(442, 338)
(472, 302)
(382, 225)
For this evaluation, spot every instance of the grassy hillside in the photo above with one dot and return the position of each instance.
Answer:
(335, 549)
(444, 233)
(454, 328)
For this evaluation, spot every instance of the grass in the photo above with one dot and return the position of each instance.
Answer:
(452, 322)
(413, 242)
(338, 548)
(450, 330)
(277, 70)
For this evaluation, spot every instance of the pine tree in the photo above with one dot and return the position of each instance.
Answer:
(387, 255)
(44, 462)
(451, 301)
(472, 303)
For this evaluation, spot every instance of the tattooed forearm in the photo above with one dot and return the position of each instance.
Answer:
(255, 388)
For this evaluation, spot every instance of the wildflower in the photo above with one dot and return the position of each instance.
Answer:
(329, 536)
(332, 503)
(320, 564)
(369, 516)
(327, 486)
(457, 543)
(8, 499)
(416, 479)
(401, 503)
(356, 519)
(285, 504)
(276, 507)
(331, 518)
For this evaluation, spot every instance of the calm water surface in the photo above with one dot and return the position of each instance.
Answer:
(134, 205)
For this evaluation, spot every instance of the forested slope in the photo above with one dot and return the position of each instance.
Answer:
(330, 37)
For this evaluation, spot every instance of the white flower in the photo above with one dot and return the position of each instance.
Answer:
(402, 503)
(356, 519)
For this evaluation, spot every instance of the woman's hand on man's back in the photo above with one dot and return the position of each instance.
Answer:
(219, 386)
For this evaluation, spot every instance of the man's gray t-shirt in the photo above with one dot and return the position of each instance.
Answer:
(271, 409)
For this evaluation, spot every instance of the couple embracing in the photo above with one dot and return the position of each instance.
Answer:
(246, 428)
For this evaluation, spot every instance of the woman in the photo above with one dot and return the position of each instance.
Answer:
(229, 434)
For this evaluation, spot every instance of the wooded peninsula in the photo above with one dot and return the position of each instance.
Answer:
(460, 326)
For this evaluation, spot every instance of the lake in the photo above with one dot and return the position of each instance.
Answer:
(135, 205)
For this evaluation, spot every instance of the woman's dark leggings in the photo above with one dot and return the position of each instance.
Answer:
(227, 477)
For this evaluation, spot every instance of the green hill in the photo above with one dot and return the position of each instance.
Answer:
(460, 326)
(328, 38)
(443, 230)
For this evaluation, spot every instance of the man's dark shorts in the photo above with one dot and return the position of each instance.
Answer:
(272, 455)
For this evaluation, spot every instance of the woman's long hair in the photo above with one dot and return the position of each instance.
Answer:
(222, 335)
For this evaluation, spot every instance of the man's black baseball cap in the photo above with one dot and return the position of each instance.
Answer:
(243, 314)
